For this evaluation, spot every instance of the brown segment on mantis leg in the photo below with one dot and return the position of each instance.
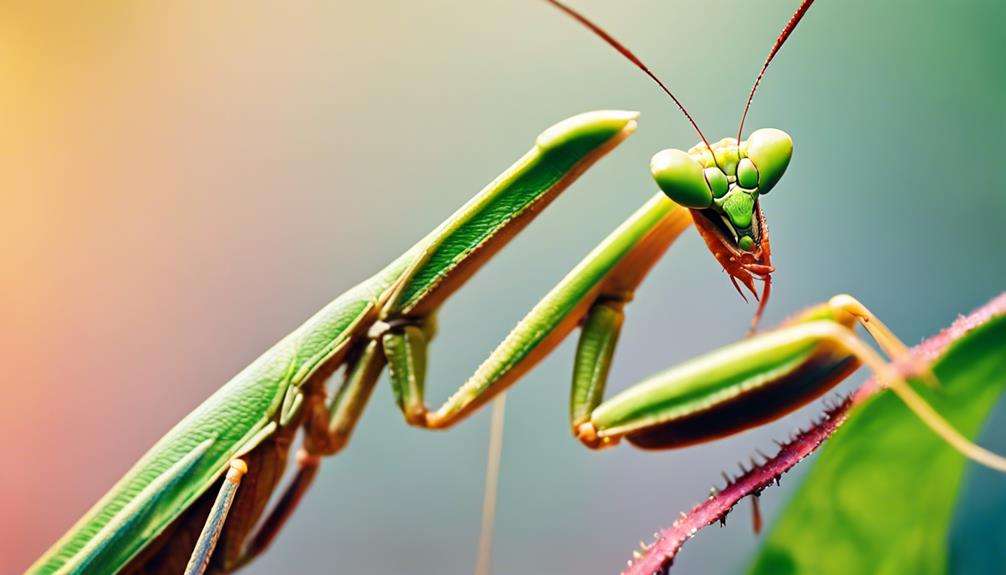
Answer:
(307, 470)
(328, 427)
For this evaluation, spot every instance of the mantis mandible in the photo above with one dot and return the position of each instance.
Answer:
(193, 503)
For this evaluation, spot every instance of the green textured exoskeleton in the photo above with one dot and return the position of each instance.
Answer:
(149, 521)
(727, 187)
(193, 502)
(721, 183)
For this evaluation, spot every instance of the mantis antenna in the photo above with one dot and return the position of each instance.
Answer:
(496, 426)
(601, 33)
(779, 41)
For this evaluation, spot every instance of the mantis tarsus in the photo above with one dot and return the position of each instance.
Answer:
(194, 500)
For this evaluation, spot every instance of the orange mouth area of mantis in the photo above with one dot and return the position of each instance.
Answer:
(742, 266)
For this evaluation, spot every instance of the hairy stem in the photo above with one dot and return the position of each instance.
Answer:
(658, 556)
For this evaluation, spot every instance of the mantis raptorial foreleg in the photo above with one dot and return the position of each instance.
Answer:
(609, 273)
(752, 382)
(388, 319)
(140, 525)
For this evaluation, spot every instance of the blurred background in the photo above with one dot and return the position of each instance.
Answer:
(183, 183)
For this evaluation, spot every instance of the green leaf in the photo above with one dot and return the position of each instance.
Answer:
(881, 497)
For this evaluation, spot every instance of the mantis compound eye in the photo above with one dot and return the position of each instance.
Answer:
(769, 151)
(682, 178)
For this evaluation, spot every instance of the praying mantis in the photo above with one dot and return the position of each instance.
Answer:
(234, 446)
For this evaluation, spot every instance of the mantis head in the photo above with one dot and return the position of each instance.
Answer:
(723, 193)
(721, 183)
(725, 190)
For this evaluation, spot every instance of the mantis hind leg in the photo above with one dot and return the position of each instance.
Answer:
(891, 377)
(238, 504)
(885, 338)
(207, 540)
(328, 429)
(170, 553)
(771, 374)
(307, 469)
(608, 274)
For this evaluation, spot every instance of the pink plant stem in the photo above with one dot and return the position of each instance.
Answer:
(659, 555)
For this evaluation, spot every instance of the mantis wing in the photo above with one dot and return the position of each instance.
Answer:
(267, 394)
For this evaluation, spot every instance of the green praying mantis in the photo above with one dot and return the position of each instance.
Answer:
(197, 501)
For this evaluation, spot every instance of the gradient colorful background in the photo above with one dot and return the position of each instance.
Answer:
(184, 182)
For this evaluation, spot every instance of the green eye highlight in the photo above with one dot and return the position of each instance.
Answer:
(770, 150)
(747, 174)
(717, 181)
(681, 177)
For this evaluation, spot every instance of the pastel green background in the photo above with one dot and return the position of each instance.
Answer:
(183, 183)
